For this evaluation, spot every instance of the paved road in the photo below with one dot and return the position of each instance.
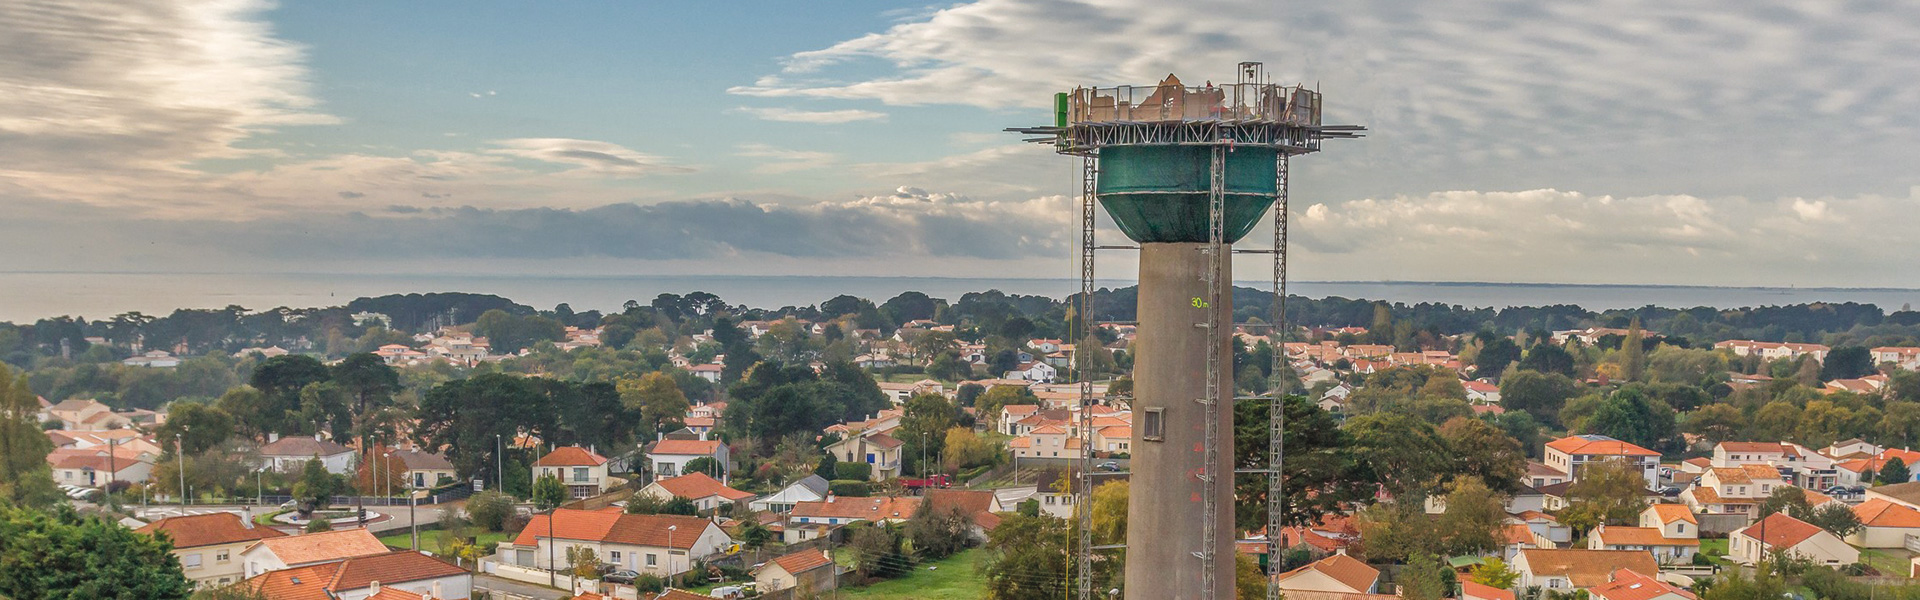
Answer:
(489, 583)
(400, 519)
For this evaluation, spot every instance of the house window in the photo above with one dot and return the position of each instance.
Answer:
(1153, 426)
(616, 557)
(580, 474)
(190, 561)
(220, 557)
(653, 559)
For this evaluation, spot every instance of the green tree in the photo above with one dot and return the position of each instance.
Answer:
(1494, 573)
(1847, 362)
(1405, 454)
(1788, 499)
(548, 492)
(1734, 584)
(1026, 558)
(989, 403)
(490, 510)
(658, 399)
(65, 556)
(1836, 518)
(1323, 472)
(876, 551)
(1720, 422)
(469, 416)
(1895, 471)
(923, 427)
(755, 535)
(706, 464)
(1607, 493)
(233, 591)
(1474, 518)
(1633, 352)
(1494, 357)
(1425, 577)
(1548, 358)
(197, 426)
(1483, 451)
(1540, 394)
(316, 487)
(1628, 415)
(369, 384)
(25, 477)
(318, 525)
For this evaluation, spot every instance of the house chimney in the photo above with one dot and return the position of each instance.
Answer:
(829, 497)
(374, 588)
(272, 437)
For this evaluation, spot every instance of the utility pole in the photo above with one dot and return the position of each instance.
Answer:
(413, 523)
(499, 465)
(180, 452)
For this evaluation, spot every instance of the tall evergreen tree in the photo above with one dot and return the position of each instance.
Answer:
(25, 477)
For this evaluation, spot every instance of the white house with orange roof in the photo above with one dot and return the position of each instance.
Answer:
(1627, 584)
(709, 372)
(1667, 550)
(1859, 471)
(1781, 533)
(1905, 357)
(1338, 573)
(706, 492)
(1797, 464)
(879, 450)
(1481, 392)
(1571, 454)
(583, 472)
(669, 457)
(1884, 524)
(1871, 385)
(1011, 415)
(1733, 490)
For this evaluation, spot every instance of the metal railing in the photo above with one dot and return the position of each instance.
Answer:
(1293, 105)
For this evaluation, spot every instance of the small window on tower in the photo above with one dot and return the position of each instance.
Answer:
(1153, 426)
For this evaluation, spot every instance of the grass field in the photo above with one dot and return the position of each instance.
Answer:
(1888, 561)
(1715, 549)
(430, 540)
(953, 579)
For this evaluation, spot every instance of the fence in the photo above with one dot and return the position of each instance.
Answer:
(526, 575)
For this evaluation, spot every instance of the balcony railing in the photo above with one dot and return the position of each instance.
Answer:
(1292, 105)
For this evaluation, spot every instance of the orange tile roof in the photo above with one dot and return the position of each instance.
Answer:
(803, 561)
(324, 547)
(1598, 445)
(298, 583)
(614, 527)
(976, 504)
(1879, 512)
(1781, 531)
(700, 485)
(1628, 584)
(686, 447)
(193, 531)
(871, 509)
(1475, 591)
(1640, 536)
(1587, 568)
(1347, 570)
(1755, 447)
(388, 593)
(680, 594)
(1519, 533)
(395, 567)
(1668, 513)
(571, 456)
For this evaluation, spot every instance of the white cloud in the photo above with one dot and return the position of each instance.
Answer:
(790, 115)
(119, 84)
(588, 156)
(787, 161)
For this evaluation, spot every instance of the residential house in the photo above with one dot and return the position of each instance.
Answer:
(805, 489)
(1113, 439)
(1770, 351)
(880, 450)
(1783, 533)
(1905, 494)
(1733, 490)
(709, 372)
(122, 440)
(1474, 591)
(584, 472)
(1860, 471)
(208, 546)
(1568, 569)
(833, 512)
(807, 573)
(1884, 524)
(1666, 550)
(291, 454)
(706, 492)
(669, 457)
(662, 545)
(1518, 537)
(702, 427)
(1907, 357)
(98, 466)
(1571, 454)
(153, 358)
(1627, 584)
(397, 575)
(1012, 414)
(980, 506)
(1540, 475)
(86, 415)
(1545, 526)
(1798, 465)
(1046, 441)
(421, 469)
(1850, 448)
(1481, 392)
(1338, 573)
(1033, 371)
(278, 553)
(1673, 520)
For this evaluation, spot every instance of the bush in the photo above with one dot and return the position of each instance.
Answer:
(853, 470)
(650, 583)
(490, 509)
(851, 489)
(1701, 560)
(318, 525)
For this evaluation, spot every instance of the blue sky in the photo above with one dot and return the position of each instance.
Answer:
(1725, 142)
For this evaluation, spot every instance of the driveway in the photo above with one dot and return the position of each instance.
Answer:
(500, 587)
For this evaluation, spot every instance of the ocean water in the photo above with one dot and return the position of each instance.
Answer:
(28, 296)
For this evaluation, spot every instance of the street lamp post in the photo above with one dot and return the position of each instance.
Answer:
(670, 573)
(499, 465)
(388, 458)
(180, 452)
(260, 487)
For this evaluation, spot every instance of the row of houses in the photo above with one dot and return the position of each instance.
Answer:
(224, 548)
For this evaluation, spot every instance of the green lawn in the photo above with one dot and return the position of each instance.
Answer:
(1714, 548)
(1891, 562)
(430, 540)
(953, 579)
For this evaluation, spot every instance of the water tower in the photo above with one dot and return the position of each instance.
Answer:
(1185, 171)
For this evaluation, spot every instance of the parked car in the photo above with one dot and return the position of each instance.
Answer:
(1838, 490)
(1109, 466)
(622, 576)
(1669, 491)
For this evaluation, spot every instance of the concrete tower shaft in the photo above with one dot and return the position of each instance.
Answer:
(1166, 508)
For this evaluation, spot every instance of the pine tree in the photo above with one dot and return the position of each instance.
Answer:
(1633, 353)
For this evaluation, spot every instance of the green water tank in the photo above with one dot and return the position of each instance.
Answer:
(1159, 193)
